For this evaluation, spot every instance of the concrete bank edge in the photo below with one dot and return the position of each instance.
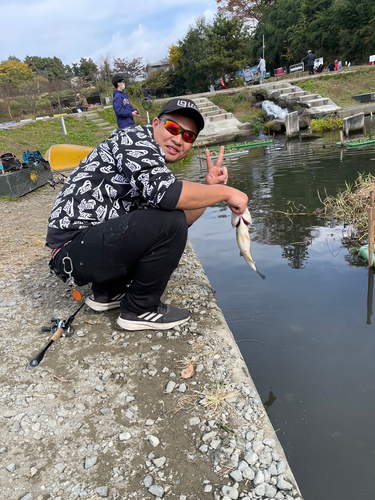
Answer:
(240, 374)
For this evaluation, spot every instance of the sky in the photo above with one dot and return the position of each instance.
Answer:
(71, 29)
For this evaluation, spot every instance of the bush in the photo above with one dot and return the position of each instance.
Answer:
(326, 124)
(239, 82)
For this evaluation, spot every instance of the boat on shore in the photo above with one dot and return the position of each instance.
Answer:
(66, 156)
(20, 182)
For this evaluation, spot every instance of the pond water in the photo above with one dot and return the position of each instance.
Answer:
(305, 331)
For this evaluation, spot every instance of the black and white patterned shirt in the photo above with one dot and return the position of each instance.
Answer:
(124, 173)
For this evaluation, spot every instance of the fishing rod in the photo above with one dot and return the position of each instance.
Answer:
(62, 328)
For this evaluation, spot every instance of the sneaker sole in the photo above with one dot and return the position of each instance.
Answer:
(147, 325)
(97, 306)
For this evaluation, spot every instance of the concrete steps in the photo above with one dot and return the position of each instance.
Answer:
(316, 104)
(94, 117)
(217, 121)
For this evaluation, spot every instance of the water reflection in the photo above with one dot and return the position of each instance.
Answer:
(306, 330)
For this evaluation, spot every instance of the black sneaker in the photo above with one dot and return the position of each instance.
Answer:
(103, 303)
(164, 318)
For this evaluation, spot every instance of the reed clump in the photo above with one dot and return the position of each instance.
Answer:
(350, 208)
(327, 124)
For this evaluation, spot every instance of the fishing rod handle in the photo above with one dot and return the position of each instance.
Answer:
(58, 333)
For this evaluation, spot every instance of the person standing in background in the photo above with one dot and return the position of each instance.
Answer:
(124, 111)
(249, 77)
(261, 69)
(310, 61)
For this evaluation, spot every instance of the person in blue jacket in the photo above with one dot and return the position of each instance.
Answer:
(121, 104)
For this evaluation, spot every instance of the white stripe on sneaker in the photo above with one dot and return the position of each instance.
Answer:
(143, 315)
(148, 315)
(156, 317)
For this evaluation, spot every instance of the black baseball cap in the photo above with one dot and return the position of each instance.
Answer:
(185, 107)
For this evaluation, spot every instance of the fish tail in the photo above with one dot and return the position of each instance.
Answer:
(261, 275)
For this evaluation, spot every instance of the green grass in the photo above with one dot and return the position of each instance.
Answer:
(241, 105)
(41, 135)
(342, 86)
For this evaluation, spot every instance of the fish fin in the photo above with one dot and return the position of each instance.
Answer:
(261, 275)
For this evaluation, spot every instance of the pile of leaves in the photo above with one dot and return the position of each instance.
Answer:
(350, 207)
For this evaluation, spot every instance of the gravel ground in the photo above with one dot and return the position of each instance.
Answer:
(109, 414)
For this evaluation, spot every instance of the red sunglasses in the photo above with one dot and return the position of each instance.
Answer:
(175, 129)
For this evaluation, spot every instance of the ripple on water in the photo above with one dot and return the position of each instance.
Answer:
(254, 350)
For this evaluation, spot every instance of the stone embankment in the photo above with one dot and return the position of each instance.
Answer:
(122, 415)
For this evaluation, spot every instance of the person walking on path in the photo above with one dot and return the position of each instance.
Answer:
(124, 111)
(120, 221)
(310, 61)
(249, 77)
(261, 69)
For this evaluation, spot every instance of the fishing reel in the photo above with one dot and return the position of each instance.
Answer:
(59, 323)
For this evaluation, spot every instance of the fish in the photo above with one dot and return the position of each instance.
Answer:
(240, 222)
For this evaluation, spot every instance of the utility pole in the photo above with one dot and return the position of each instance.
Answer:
(263, 46)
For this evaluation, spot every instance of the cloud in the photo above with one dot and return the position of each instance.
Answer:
(90, 28)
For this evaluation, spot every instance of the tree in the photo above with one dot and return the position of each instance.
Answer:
(212, 50)
(174, 55)
(159, 82)
(248, 12)
(56, 88)
(130, 69)
(49, 67)
(7, 94)
(14, 72)
(30, 92)
(332, 29)
(85, 69)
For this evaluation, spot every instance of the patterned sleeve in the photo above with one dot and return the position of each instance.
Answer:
(142, 162)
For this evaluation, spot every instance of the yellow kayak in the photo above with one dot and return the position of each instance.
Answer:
(66, 156)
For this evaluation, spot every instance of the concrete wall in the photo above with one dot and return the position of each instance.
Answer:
(354, 122)
(292, 123)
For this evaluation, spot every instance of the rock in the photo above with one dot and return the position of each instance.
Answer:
(59, 468)
(194, 421)
(106, 376)
(269, 442)
(124, 436)
(236, 475)
(157, 491)
(28, 496)
(251, 457)
(258, 446)
(259, 478)
(282, 484)
(170, 386)
(230, 492)
(90, 462)
(147, 482)
(102, 491)
(282, 467)
(159, 462)
(273, 126)
(260, 489)
(11, 467)
(248, 473)
(153, 440)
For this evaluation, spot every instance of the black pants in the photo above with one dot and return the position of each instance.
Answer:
(311, 70)
(142, 249)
